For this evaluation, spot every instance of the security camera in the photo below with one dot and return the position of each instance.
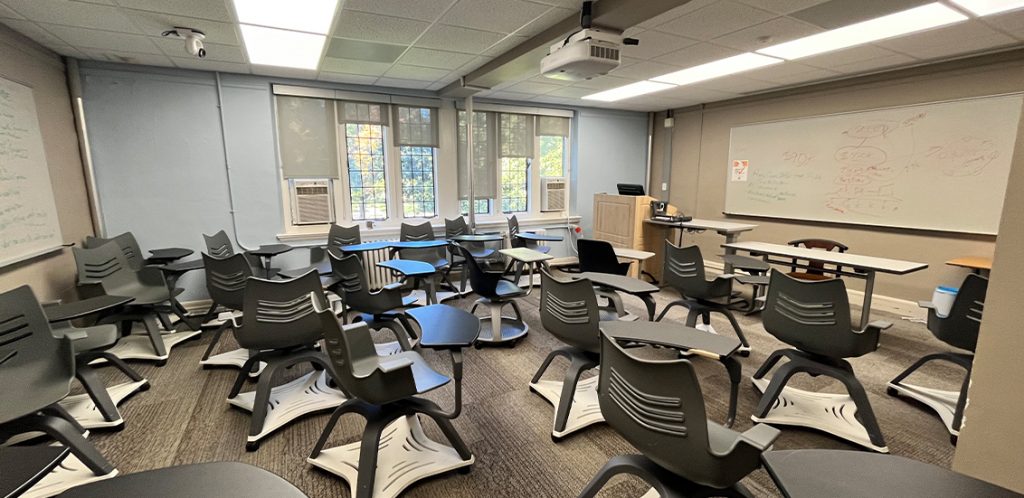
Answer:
(193, 40)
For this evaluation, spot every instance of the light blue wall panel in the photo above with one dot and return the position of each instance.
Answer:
(611, 149)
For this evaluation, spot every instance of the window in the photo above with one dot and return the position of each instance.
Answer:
(367, 184)
(483, 206)
(516, 154)
(416, 138)
(484, 160)
(552, 155)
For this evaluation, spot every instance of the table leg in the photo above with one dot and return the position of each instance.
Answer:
(649, 302)
(865, 311)
(729, 239)
(735, 372)
(431, 290)
(266, 266)
(529, 284)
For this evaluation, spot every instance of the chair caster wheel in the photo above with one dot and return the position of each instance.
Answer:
(119, 428)
(952, 440)
(555, 439)
(145, 387)
(891, 391)
(252, 446)
(465, 470)
(477, 345)
(161, 363)
(744, 353)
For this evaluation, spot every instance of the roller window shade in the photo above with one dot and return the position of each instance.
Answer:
(485, 168)
(516, 132)
(362, 113)
(552, 126)
(307, 137)
(414, 126)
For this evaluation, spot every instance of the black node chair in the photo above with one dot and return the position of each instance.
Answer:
(658, 407)
(281, 325)
(219, 245)
(814, 318)
(568, 310)
(815, 268)
(224, 479)
(105, 270)
(337, 237)
(513, 230)
(454, 228)
(684, 271)
(495, 292)
(37, 369)
(385, 391)
(598, 256)
(960, 330)
(225, 282)
(435, 256)
(381, 309)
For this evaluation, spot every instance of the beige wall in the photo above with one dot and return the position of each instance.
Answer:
(28, 63)
(992, 438)
(701, 148)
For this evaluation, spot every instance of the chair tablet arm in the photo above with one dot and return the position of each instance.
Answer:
(760, 436)
(393, 286)
(75, 334)
(388, 366)
(879, 325)
(725, 276)
(926, 304)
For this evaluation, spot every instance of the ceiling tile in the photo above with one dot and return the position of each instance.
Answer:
(676, 12)
(85, 15)
(789, 73)
(735, 84)
(546, 20)
(644, 70)
(215, 10)
(439, 84)
(343, 48)
(351, 66)
(696, 54)
(210, 65)
(438, 59)
(284, 72)
(533, 88)
(127, 57)
(504, 95)
(155, 23)
(783, 6)
(109, 40)
(693, 92)
(778, 30)
(415, 73)
(373, 27)
(400, 83)
(34, 31)
(504, 16)
(549, 81)
(424, 10)
(571, 92)
(175, 47)
(470, 41)
(654, 43)
(874, 64)
(604, 82)
(847, 56)
(346, 78)
(715, 20)
(548, 99)
(961, 38)
(506, 44)
(836, 13)
(7, 13)
(1010, 22)
(67, 50)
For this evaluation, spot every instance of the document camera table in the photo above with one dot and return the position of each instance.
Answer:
(416, 270)
(634, 286)
(686, 339)
(267, 252)
(23, 467)
(849, 474)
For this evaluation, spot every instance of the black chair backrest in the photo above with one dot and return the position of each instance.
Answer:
(513, 229)
(568, 310)
(280, 314)
(422, 231)
(599, 256)
(455, 227)
(219, 245)
(814, 316)
(226, 279)
(354, 287)
(354, 360)
(485, 284)
(658, 407)
(822, 244)
(126, 242)
(106, 266)
(960, 328)
(684, 271)
(339, 236)
(36, 368)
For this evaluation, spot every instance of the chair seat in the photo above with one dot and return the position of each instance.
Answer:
(97, 337)
(426, 378)
(504, 288)
(721, 439)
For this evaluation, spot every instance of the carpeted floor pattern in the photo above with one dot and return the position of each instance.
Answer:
(185, 418)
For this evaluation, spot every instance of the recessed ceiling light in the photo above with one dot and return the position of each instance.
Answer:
(908, 21)
(278, 47)
(627, 91)
(721, 67)
(986, 7)
(311, 16)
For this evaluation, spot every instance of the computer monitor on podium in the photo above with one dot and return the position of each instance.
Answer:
(630, 189)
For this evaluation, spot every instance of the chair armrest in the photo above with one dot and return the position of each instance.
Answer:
(393, 286)
(388, 366)
(51, 302)
(75, 335)
(760, 436)
(725, 276)
(880, 325)
(926, 304)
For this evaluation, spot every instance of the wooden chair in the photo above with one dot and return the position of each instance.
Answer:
(816, 268)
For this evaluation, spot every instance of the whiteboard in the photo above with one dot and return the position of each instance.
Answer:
(940, 166)
(28, 215)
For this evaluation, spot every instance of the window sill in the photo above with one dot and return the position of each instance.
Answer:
(490, 224)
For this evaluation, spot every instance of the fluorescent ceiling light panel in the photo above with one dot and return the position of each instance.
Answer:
(716, 69)
(908, 21)
(278, 47)
(986, 7)
(630, 90)
(311, 16)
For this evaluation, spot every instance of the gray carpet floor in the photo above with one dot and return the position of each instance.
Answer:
(185, 418)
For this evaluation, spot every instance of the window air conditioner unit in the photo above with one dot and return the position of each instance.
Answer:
(312, 202)
(553, 193)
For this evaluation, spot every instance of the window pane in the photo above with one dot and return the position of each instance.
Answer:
(366, 177)
(418, 182)
(552, 156)
(483, 206)
(514, 184)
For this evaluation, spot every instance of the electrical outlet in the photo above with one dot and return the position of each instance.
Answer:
(664, 186)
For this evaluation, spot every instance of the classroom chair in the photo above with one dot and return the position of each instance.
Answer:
(37, 368)
(683, 271)
(598, 256)
(105, 270)
(219, 245)
(813, 316)
(568, 310)
(495, 293)
(814, 270)
(514, 241)
(282, 327)
(435, 256)
(479, 250)
(657, 406)
(225, 282)
(960, 330)
(379, 310)
(337, 237)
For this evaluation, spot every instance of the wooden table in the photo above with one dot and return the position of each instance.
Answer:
(864, 267)
(671, 335)
(623, 283)
(977, 264)
(529, 258)
(730, 230)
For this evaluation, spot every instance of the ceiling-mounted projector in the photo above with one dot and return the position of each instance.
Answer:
(587, 53)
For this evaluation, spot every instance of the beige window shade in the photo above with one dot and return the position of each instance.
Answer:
(516, 132)
(362, 113)
(307, 137)
(552, 126)
(414, 126)
(485, 167)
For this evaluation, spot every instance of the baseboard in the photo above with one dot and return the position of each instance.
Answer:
(879, 302)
